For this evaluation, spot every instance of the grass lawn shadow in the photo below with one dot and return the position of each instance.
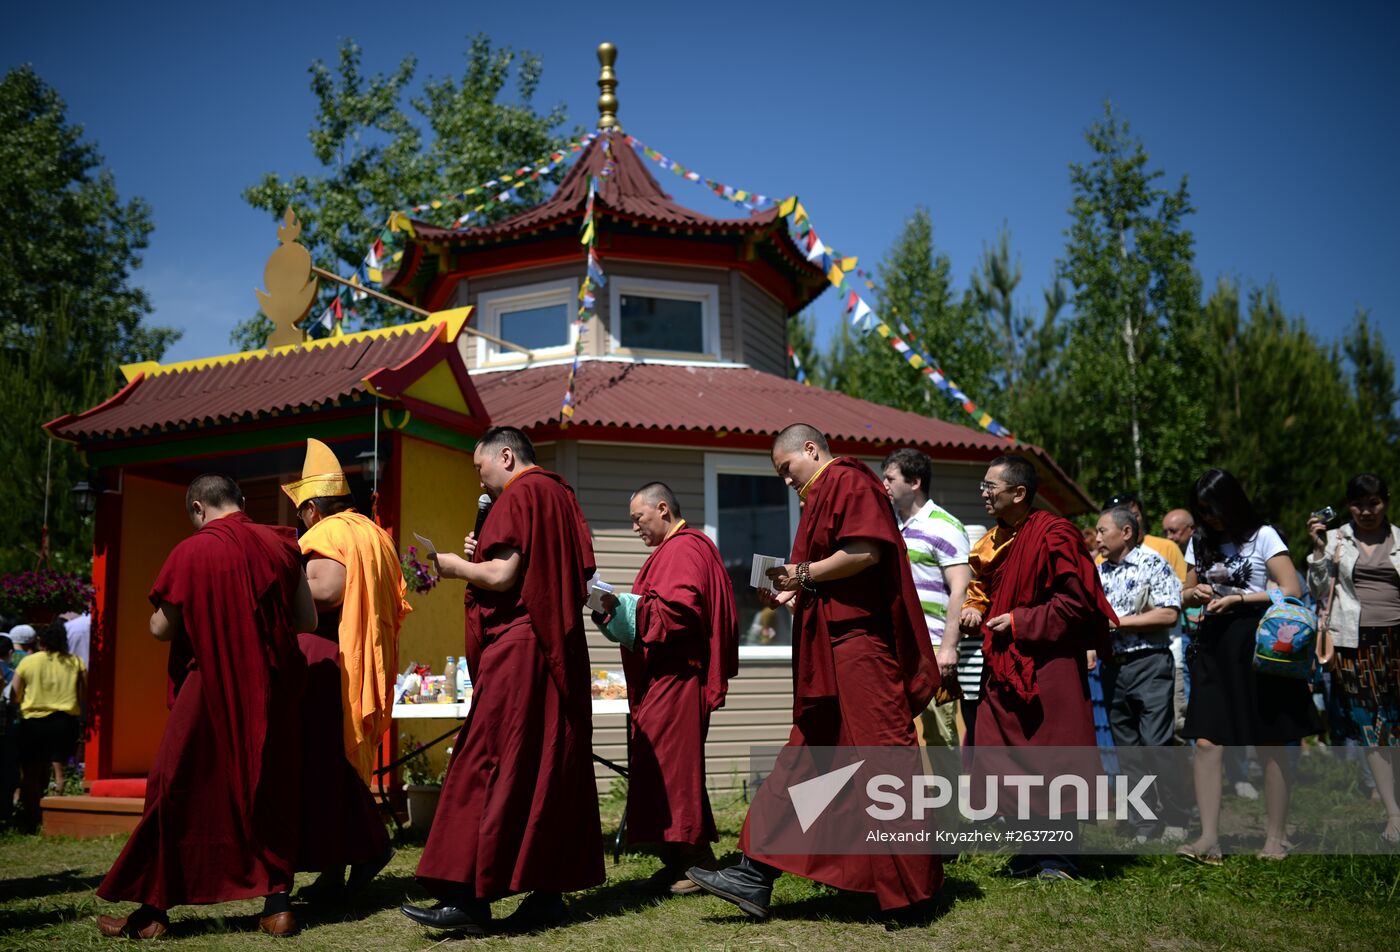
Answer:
(49, 884)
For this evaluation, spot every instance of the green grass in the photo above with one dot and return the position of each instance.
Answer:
(1140, 904)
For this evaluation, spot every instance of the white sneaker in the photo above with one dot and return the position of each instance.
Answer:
(1174, 834)
(1245, 790)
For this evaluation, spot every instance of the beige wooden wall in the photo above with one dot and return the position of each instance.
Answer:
(752, 324)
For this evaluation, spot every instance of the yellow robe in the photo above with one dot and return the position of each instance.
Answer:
(989, 550)
(371, 615)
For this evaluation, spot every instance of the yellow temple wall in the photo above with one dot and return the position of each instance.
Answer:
(437, 499)
(153, 522)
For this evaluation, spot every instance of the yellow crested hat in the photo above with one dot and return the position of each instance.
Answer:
(321, 475)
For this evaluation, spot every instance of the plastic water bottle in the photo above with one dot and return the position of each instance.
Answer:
(449, 676)
(464, 681)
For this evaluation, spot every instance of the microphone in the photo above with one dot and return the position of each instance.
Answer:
(483, 506)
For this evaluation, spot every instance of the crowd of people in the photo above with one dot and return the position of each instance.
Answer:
(906, 630)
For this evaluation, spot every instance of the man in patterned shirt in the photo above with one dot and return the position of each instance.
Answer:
(937, 544)
(1138, 680)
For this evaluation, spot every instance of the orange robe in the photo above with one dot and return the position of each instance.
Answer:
(371, 615)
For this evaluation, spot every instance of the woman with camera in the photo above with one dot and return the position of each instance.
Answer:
(1354, 571)
(1231, 560)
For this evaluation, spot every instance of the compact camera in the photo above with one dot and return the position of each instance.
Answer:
(1326, 514)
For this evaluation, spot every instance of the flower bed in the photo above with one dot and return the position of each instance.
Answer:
(43, 594)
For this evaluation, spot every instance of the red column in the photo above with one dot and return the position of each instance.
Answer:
(107, 531)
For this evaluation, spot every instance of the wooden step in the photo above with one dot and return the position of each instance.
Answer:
(87, 816)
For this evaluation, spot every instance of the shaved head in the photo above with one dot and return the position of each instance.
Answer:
(792, 438)
(513, 437)
(658, 492)
(213, 491)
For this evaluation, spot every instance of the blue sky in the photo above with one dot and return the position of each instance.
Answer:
(1283, 115)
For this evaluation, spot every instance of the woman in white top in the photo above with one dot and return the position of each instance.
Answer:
(1354, 571)
(1230, 562)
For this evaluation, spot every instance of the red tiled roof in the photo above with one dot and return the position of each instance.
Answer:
(630, 191)
(222, 391)
(696, 398)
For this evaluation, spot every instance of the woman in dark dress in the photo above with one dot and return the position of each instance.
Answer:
(1231, 561)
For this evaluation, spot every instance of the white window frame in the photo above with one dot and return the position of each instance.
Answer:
(706, 294)
(746, 464)
(491, 304)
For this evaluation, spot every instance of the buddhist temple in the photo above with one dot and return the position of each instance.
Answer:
(681, 377)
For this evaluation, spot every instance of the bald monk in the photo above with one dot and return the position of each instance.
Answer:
(519, 807)
(221, 799)
(863, 665)
(352, 567)
(680, 647)
(1037, 601)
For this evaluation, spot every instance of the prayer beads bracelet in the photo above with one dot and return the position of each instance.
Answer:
(804, 576)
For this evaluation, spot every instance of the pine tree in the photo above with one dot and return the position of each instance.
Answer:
(1131, 404)
(915, 290)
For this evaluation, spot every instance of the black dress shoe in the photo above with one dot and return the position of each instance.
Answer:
(537, 912)
(748, 884)
(325, 891)
(471, 919)
(362, 873)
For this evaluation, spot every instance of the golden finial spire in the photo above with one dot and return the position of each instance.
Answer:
(607, 85)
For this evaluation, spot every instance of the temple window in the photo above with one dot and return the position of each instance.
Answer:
(748, 511)
(537, 316)
(664, 316)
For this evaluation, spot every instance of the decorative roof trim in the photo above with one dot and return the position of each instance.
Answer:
(452, 319)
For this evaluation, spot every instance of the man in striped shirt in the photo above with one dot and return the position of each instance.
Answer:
(937, 544)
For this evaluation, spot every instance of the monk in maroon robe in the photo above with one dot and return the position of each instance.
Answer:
(222, 796)
(679, 652)
(519, 807)
(863, 666)
(1036, 599)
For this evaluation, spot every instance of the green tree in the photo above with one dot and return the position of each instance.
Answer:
(915, 288)
(802, 337)
(993, 292)
(376, 158)
(1131, 405)
(70, 314)
(1376, 413)
(1281, 408)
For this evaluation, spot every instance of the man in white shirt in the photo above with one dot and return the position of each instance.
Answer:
(937, 544)
(1138, 680)
(79, 629)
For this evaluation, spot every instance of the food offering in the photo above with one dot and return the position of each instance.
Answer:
(609, 685)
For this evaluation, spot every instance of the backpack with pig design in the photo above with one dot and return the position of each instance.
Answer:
(1285, 640)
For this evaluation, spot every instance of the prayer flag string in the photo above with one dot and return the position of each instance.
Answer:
(836, 267)
(593, 279)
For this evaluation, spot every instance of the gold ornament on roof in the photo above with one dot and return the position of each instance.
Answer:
(607, 84)
(291, 287)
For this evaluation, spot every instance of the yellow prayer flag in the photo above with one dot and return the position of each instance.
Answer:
(849, 264)
(788, 204)
(836, 275)
(398, 221)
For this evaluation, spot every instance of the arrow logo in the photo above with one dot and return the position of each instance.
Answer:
(810, 798)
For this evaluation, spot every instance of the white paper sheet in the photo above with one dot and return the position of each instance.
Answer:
(761, 564)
